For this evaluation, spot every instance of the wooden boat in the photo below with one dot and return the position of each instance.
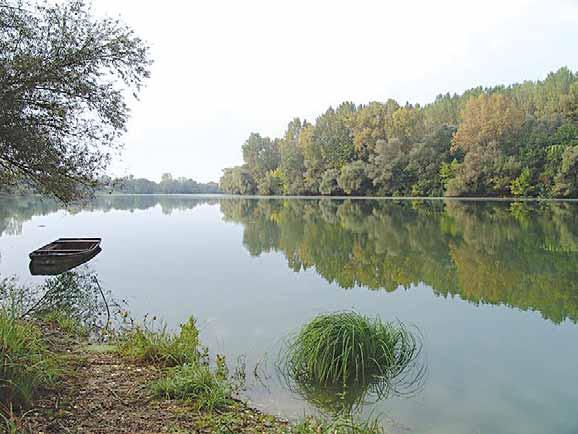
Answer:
(55, 267)
(66, 249)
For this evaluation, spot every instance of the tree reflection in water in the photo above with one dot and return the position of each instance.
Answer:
(519, 254)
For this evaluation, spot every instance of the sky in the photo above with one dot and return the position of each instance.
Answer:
(226, 68)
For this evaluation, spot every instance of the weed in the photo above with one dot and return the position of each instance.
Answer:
(195, 382)
(146, 343)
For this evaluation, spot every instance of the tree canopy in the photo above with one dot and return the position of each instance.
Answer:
(64, 78)
(517, 140)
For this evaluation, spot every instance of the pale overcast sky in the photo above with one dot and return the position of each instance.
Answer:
(226, 68)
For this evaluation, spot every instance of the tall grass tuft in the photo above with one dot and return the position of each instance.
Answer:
(338, 358)
(26, 365)
(146, 343)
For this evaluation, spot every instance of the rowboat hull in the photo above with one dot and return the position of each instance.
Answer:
(55, 267)
(66, 249)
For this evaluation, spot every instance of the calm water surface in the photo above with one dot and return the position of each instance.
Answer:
(492, 286)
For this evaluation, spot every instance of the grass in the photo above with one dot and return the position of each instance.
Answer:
(340, 424)
(68, 324)
(26, 364)
(195, 382)
(28, 367)
(148, 344)
(189, 376)
(337, 358)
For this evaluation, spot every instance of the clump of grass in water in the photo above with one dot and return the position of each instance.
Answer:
(338, 358)
(159, 346)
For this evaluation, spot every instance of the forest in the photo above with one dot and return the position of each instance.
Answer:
(519, 140)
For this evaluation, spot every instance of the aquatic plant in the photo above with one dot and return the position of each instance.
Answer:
(337, 359)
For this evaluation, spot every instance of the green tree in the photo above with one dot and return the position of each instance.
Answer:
(329, 183)
(567, 179)
(353, 178)
(261, 154)
(271, 183)
(63, 80)
(237, 180)
(522, 185)
(292, 164)
(370, 127)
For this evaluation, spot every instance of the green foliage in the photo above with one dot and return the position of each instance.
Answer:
(151, 344)
(237, 180)
(272, 183)
(473, 144)
(329, 185)
(522, 185)
(353, 178)
(196, 382)
(261, 155)
(65, 322)
(567, 179)
(64, 78)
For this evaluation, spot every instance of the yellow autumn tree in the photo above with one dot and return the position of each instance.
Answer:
(487, 119)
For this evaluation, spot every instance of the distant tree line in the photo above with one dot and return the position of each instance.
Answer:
(517, 140)
(168, 185)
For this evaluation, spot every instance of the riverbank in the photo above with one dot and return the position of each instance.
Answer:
(100, 391)
(146, 381)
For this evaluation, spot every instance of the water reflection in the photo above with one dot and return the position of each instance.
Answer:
(15, 210)
(523, 255)
(519, 254)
